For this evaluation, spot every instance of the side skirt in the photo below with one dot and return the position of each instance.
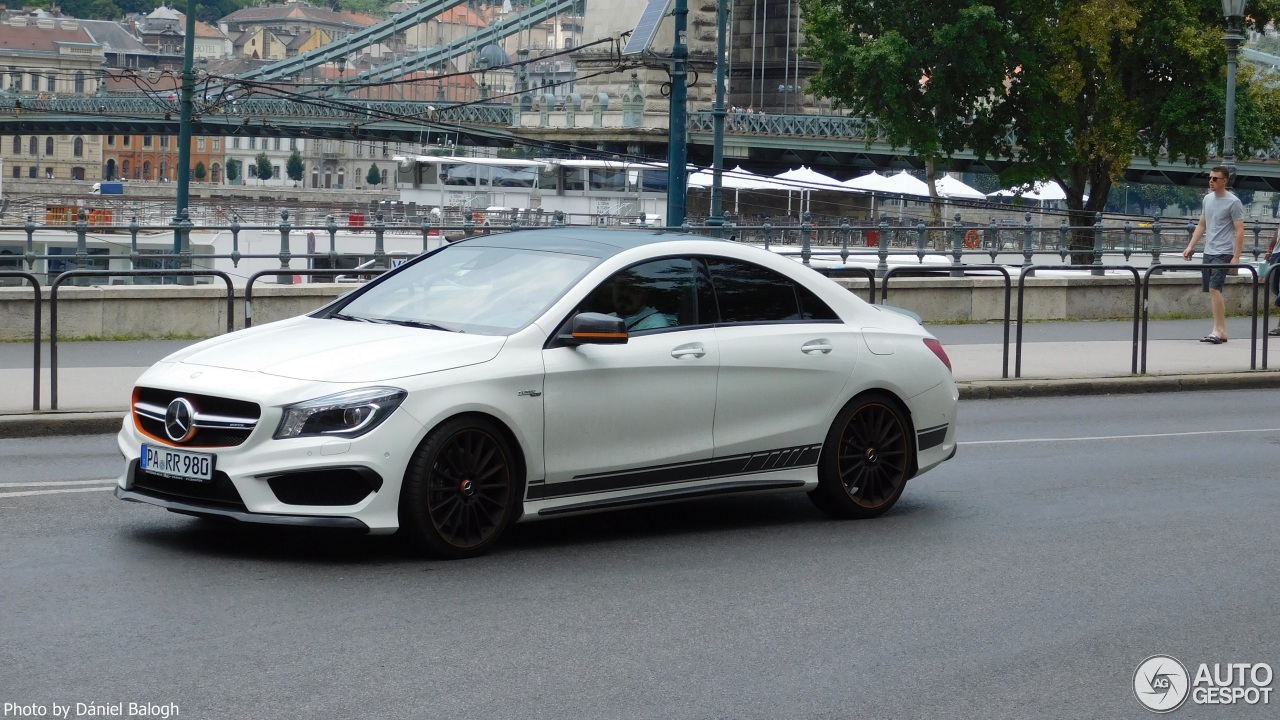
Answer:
(672, 495)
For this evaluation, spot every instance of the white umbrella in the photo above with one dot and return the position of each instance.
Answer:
(1045, 191)
(950, 187)
(871, 182)
(804, 178)
(735, 179)
(904, 184)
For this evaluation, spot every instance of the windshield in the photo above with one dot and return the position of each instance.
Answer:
(472, 289)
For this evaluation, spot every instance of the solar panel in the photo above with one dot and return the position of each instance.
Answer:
(647, 27)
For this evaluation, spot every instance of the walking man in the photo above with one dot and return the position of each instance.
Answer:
(1222, 226)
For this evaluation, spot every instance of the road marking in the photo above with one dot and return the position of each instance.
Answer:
(57, 483)
(1118, 437)
(53, 492)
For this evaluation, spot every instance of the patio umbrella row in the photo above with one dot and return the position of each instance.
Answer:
(807, 179)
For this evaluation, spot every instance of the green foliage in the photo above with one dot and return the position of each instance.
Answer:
(262, 167)
(374, 177)
(294, 168)
(1068, 91)
(200, 171)
(233, 169)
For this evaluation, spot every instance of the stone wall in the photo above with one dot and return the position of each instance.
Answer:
(170, 311)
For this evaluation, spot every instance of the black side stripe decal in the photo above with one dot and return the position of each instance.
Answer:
(930, 437)
(680, 472)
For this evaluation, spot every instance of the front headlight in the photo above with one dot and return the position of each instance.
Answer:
(347, 414)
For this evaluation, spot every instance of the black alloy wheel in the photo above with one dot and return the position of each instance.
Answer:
(866, 459)
(460, 489)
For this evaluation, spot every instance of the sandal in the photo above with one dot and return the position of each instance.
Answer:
(1213, 339)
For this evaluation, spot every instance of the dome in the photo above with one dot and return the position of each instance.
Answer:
(494, 54)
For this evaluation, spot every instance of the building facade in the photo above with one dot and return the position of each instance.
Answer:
(43, 57)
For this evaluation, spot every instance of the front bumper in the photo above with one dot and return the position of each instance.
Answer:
(201, 510)
(266, 481)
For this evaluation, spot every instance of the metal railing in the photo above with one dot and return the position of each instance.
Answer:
(971, 270)
(53, 311)
(35, 333)
(1253, 327)
(1138, 286)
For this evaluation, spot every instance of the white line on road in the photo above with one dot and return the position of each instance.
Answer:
(54, 492)
(1118, 437)
(58, 483)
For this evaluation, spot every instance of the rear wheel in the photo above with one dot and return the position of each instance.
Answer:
(460, 490)
(866, 459)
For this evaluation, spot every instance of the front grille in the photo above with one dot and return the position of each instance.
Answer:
(220, 422)
(218, 493)
(325, 486)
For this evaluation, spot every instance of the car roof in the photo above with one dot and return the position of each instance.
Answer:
(582, 240)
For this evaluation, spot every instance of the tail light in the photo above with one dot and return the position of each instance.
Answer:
(936, 347)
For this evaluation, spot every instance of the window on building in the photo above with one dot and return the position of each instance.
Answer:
(217, 144)
(80, 83)
(253, 143)
(50, 83)
(215, 173)
(235, 143)
(17, 171)
(164, 141)
(146, 141)
(386, 151)
(146, 170)
(199, 144)
(111, 141)
(275, 171)
(164, 170)
(78, 148)
(33, 147)
(124, 169)
(359, 149)
(48, 147)
(293, 143)
(31, 172)
(17, 145)
(126, 140)
(275, 144)
(384, 178)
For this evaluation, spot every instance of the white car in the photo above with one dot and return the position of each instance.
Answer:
(541, 373)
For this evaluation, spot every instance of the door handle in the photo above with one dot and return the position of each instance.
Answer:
(684, 351)
(816, 346)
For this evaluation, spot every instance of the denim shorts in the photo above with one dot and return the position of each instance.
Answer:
(1216, 278)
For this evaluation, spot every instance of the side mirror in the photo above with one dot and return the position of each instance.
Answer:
(595, 329)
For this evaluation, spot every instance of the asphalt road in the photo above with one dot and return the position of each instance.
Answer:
(1069, 540)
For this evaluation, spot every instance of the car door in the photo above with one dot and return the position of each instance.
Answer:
(785, 356)
(636, 414)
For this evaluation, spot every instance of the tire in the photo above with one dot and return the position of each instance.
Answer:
(866, 459)
(460, 489)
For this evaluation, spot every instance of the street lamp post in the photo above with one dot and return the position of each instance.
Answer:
(1233, 10)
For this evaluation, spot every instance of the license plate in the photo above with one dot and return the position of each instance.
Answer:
(172, 463)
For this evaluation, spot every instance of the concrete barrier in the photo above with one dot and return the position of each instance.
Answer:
(169, 311)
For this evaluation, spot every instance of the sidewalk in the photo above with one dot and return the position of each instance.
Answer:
(95, 380)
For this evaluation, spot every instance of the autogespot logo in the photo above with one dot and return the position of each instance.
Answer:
(1161, 683)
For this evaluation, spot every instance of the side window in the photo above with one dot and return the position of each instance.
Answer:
(650, 296)
(748, 293)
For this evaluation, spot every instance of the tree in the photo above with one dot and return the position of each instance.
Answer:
(199, 171)
(233, 170)
(1063, 91)
(294, 168)
(263, 167)
(374, 177)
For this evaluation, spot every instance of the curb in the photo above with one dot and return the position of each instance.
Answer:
(1044, 387)
(60, 423)
(108, 422)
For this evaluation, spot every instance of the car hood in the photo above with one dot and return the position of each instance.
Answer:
(341, 351)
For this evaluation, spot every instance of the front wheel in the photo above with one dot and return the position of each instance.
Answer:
(866, 459)
(460, 489)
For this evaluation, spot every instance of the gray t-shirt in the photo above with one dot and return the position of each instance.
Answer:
(1220, 216)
